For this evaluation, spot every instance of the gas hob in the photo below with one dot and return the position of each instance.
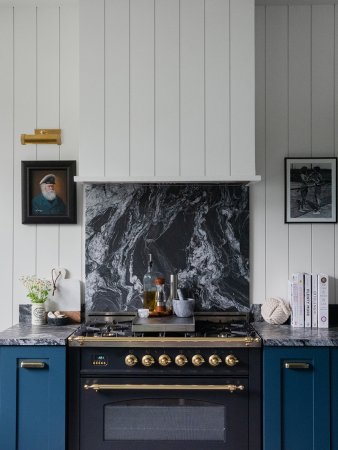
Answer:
(218, 329)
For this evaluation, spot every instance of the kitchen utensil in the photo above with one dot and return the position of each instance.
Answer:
(184, 308)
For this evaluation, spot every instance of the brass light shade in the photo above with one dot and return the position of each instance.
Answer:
(42, 136)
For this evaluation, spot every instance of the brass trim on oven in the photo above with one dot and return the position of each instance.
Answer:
(82, 340)
(166, 387)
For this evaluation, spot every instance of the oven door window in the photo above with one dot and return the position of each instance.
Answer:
(133, 416)
(173, 419)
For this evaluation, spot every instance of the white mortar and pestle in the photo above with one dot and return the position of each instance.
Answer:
(183, 307)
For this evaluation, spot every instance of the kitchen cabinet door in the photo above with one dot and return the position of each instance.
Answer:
(32, 398)
(296, 398)
(334, 398)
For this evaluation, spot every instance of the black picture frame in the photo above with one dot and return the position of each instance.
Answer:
(36, 209)
(311, 190)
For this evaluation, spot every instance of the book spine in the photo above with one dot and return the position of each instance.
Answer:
(314, 302)
(307, 300)
(290, 288)
(298, 299)
(323, 300)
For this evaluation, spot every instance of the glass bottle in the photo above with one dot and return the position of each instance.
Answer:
(160, 297)
(173, 293)
(149, 288)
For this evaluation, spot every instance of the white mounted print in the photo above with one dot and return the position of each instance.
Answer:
(310, 190)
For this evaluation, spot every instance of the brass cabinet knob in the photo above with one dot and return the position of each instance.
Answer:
(148, 360)
(164, 360)
(181, 360)
(197, 360)
(130, 360)
(214, 360)
(231, 360)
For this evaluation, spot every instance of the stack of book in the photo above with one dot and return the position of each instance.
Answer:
(308, 295)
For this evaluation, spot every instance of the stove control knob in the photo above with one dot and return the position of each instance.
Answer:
(197, 360)
(130, 360)
(148, 360)
(231, 360)
(164, 360)
(214, 360)
(181, 360)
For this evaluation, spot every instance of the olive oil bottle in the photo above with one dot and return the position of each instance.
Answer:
(149, 287)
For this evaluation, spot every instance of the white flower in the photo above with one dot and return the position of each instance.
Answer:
(37, 288)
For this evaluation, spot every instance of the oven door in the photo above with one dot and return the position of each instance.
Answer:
(140, 413)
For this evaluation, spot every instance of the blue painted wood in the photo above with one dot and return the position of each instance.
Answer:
(334, 398)
(32, 401)
(296, 402)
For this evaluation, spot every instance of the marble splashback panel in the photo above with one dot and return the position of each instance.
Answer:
(199, 231)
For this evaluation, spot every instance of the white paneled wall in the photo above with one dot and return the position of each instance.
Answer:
(167, 88)
(296, 98)
(38, 89)
(153, 101)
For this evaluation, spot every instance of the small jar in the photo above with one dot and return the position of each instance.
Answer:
(160, 297)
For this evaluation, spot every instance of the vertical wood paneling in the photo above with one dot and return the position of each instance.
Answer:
(117, 87)
(335, 300)
(242, 86)
(192, 158)
(323, 125)
(167, 136)
(142, 87)
(48, 76)
(258, 191)
(6, 166)
(276, 148)
(217, 100)
(299, 121)
(70, 243)
(39, 88)
(47, 117)
(25, 115)
(93, 92)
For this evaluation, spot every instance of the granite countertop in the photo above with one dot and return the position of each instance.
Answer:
(287, 336)
(272, 335)
(27, 334)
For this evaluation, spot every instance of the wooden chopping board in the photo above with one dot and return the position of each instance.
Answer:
(67, 299)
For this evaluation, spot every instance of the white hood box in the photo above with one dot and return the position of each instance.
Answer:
(167, 91)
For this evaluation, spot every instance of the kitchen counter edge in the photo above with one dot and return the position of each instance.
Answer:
(287, 336)
(27, 334)
(271, 335)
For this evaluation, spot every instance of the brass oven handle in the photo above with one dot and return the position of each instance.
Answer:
(166, 387)
(32, 365)
(296, 365)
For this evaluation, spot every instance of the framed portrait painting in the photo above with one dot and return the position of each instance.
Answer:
(311, 190)
(48, 192)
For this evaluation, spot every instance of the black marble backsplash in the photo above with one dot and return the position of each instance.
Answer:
(199, 231)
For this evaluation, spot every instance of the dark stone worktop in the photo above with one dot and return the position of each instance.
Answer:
(272, 335)
(287, 336)
(27, 334)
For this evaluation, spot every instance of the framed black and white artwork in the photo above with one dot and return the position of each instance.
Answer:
(48, 192)
(311, 190)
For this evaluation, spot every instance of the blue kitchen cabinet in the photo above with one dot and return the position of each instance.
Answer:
(334, 398)
(32, 397)
(296, 398)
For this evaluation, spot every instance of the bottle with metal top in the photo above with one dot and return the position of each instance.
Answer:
(173, 293)
(149, 288)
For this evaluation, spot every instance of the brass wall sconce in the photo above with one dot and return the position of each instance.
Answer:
(42, 136)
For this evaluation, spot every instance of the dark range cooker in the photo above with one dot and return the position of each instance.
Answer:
(194, 387)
